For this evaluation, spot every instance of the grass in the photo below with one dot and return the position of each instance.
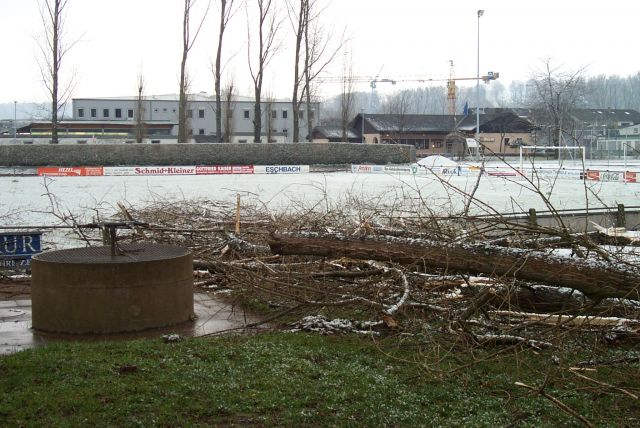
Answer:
(287, 379)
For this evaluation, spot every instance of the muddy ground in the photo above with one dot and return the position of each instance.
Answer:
(12, 289)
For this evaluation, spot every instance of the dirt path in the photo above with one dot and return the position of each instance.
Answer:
(13, 289)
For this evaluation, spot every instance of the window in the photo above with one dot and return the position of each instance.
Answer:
(301, 114)
(246, 114)
(274, 114)
(189, 114)
(201, 114)
(164, 109)
(130, 113)
(155, 141)
(242, 141)
(312, 114)
(437, 144)
(118, 113)
(105, 112)
(200, 131)
(190, 131)
(285, 114)
(94, 112)
(82, 141)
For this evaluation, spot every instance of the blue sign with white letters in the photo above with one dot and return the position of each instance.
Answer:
(16, 249)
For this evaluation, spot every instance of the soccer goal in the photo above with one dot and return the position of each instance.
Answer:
(559, 149)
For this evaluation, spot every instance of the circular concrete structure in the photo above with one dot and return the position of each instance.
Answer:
(87, 290)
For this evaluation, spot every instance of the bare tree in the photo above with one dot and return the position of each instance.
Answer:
(53, 49)
(557, 93)
(318, 51)
(268, 26)
(139, 117)
(346, 98)
(226, 11)
(187, 43)
(228, 93)
(299, 20)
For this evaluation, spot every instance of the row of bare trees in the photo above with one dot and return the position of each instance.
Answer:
(315, 48)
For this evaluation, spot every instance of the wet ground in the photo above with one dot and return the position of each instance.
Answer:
(213, 315)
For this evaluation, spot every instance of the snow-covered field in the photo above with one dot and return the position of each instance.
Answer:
(25, 200)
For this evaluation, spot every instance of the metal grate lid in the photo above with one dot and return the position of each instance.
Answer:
(130, 253)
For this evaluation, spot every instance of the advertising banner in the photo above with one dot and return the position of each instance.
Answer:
(224, 169)
(593, 175)
(16, 249)
(280, 169)
(612, 176)
(76, 171)
(630, 177)
(150, 170)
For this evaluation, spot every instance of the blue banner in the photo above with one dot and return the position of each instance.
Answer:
(16, 249)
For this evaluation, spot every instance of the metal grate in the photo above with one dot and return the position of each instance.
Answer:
(130, 253)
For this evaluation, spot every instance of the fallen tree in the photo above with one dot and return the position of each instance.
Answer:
(597, 279)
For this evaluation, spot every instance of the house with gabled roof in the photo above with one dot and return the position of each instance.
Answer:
(500, 132)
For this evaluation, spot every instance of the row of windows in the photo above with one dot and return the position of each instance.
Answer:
(117, 113)
(419, 143)
(274, 114)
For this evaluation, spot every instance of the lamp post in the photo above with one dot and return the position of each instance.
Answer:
(480, 13)
(15, 121)
(362, 140)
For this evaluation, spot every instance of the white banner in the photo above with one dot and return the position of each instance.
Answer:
(280, 169)
(149, 170)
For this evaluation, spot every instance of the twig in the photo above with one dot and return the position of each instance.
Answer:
(568, 410)
(624, 391)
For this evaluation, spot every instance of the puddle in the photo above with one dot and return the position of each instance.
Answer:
(212, 315)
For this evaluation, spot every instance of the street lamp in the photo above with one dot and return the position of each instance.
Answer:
(362, 140)
(480, 13)
(15, 117)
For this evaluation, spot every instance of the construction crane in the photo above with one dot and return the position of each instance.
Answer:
(451, 82)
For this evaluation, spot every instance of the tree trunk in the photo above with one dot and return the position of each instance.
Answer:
(223, 4)
(594, 279)
(295, 103)
(54, 72)
(257, 116)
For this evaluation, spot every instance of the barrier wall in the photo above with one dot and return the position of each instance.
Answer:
(205, 154)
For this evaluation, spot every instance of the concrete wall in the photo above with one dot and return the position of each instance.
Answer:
(204, 154)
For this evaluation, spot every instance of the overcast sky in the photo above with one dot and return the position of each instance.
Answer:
(119, 38)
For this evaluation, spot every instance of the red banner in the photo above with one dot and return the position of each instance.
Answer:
(224, 169)
(593, 175)
(630, 177)
(76, 171)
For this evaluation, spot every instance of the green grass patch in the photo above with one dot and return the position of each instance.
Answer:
(289, 379)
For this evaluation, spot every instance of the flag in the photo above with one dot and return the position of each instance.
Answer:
(465, 111)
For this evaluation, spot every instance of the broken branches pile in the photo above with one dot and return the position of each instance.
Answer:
(429, 275)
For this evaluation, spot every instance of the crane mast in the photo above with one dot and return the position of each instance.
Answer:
(451, 90)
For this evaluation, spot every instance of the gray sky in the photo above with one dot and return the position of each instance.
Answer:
(118, 38)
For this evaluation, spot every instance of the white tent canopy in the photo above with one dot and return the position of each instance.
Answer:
(437, 160)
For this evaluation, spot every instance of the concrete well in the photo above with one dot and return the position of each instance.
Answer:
(87, 290)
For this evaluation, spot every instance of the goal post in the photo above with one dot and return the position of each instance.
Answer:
(558, 148)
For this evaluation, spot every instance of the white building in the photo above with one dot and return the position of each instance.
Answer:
(276, 115)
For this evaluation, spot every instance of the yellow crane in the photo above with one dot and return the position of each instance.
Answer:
(451, 82)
